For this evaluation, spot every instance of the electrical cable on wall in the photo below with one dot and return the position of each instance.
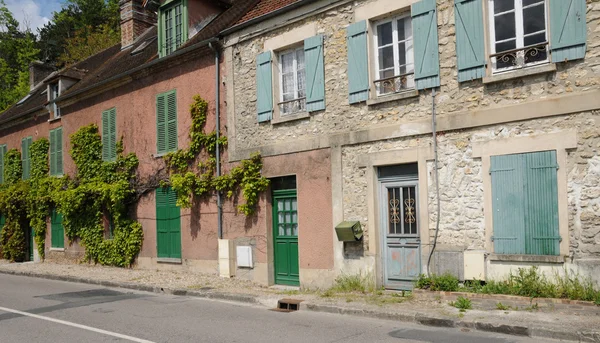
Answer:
(437, 183)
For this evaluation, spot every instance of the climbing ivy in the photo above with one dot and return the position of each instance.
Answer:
(13, 207)
(188, 181)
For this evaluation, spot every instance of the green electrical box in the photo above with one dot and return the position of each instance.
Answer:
(349, 231)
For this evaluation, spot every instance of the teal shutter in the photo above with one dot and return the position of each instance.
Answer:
(161, 124)
(264, 87)
(567, 30)
(168, 224)
(59, 151)
(315, 73)
(358, 63)
(109, 135)
(57, 231)
(425, 37)
(26, 157)
(52, 152)
(508, 204)
(171, 120)
(541, 219)
(2, 154)
(470, 50)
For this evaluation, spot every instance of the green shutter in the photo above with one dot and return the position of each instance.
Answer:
(2, 222)
(567, 30)
(264, 87)
(2, 154)
(57, 231)
(26, 157)
(52, 152)
(59, 151)
(358, 63)
(105, 135)
(425, 37)
(168, 224)
(315, 73)
(112, 139)
(161, 124)
(541, 219)
(470, 50)
(171, 120)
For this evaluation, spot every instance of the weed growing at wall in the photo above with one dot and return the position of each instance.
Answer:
(188, 181)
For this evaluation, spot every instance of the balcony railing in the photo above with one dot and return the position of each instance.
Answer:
(393, 84)
(292, 106)
(521, 56)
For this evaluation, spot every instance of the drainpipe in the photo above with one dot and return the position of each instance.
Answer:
(218, 148)
(437, 182)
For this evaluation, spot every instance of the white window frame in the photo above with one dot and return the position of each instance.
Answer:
(53, 93)
(293, 51)
(520, 36)
(395, 43)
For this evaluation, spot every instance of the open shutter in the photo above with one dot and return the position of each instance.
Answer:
(171, 117)
(425, 37)
(2, 154)
(541, 219)
(161, 224)
(470, 50)
(358, 63)
(508, 204)
(264, 87)
(567, 29)
(174, 224)
(52, 152)
(105, 135)
(59, 151)
(112, 139)
(315, 73)
(25, 158)
(161, 129)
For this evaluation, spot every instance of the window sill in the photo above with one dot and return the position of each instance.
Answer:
(290, 117)
(161, 154)
(54, 119)
(511, 75)
(57, 249)
(527, 258)
(169, 260)
(394, 97)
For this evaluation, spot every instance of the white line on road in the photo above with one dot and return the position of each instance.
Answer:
(79, 326)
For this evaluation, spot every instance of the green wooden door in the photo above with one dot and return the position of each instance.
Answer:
(168, 224)
(285, 233)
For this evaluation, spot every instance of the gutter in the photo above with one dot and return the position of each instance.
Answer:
(218, 131)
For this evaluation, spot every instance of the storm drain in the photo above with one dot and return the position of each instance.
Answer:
(288, 305)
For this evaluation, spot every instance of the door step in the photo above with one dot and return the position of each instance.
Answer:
(288, 305)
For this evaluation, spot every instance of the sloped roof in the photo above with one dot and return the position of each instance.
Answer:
(263, 7)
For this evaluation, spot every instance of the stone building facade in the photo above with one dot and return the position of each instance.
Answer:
(494, 114)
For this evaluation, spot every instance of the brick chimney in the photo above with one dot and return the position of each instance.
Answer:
(38, 71)
(135, 20)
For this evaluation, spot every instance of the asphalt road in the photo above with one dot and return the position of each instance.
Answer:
(38, 310)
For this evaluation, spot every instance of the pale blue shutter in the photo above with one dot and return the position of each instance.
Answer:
(264, 87)
(567, 29)
(425, 37)
(315, 73)
(508, 204)
(470, 50)
(541, 217)
(358, 63)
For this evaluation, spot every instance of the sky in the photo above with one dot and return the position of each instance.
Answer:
(34, 13)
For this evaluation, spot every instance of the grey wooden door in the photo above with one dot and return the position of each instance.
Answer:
(400, 234)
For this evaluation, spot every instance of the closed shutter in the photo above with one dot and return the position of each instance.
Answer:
(508, 204)
(59, 151)
(26, 157)
(427, 64)
(161, 124)
(567, 30)
(162, 237)
(541, 219)
(358, 63)
(315, 73)
(109, 135)
(2, 222)
(57, 231)
(264, 87)
(171, 120)
(168, 224)
(112, 139)
(2, 154)
(52, 152)
(470, 50)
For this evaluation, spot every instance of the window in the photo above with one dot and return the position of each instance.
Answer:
(166, 122)
(26, 157)
(518, 33)
(54, 93)
(394, 56)
(525, 203)
(173, 26)
(292, 81)
(56, 149)
(2, 154)
(109, 135)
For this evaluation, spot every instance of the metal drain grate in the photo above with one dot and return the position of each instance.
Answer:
(288, 305)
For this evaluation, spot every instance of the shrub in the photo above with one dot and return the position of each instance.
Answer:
(445, 282)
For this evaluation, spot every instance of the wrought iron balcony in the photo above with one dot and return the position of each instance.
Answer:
(292, 106)
(521, 56)
(393, 84)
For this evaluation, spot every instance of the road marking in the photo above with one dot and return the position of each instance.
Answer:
(79, 326)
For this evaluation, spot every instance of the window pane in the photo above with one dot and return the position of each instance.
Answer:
(503, 5)
(533, 19)
(287, 63)
(535, 39)
(386, 58)
(301, 82)
(505, 26)
(288, 84)
(395, 211)
(504, 46)
(384, 34)
(402, 54)
(410, 210)
(530, 2)
(401, 33)
(300, 58)
(535, 54)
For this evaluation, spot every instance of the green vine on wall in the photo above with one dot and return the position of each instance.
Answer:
(188, 181)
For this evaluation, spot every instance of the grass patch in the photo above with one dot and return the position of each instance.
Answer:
(462, 304)
(445, 282)
(502, 307)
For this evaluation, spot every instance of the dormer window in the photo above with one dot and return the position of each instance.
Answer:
(53, 93)
(173, 26)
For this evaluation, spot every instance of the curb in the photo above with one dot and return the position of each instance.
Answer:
(408, 317)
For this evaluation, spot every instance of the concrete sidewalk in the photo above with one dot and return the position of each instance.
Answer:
(383, 305)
